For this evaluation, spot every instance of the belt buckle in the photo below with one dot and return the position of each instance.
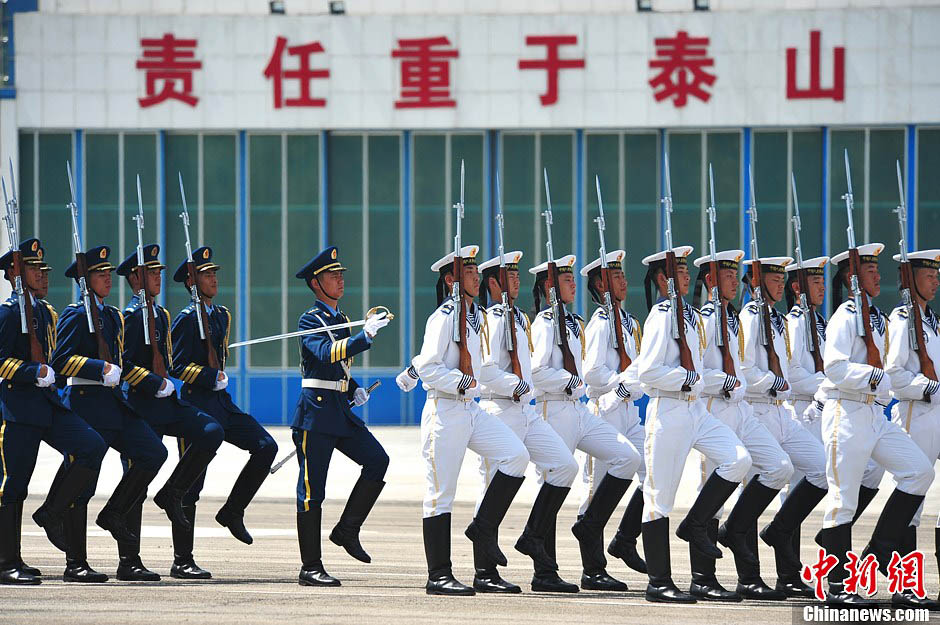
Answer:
(690, 398)
(343, 385)
(869, 400)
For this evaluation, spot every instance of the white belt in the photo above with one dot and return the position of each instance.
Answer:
(557, 397)
(329, 385)
(450, 396)
(83, 382)
(493, 397)
(763, 399)
(862, 398)
(680, 395)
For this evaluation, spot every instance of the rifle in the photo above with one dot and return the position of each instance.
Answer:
(764, 323)
(26, 303)
(508, 314)
(810, 336)
(613, 312)
(146, 302)
(721, 332)
(915, 327)
(862, 308)
(465, 364)
(81, 270)
(560, 313)
(202, 319)
(672, 270)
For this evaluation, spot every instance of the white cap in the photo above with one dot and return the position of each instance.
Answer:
(616, 256)
(681, 252)
(774, 264)
(932, 256)
(869, 249)
(510, 258)
(813, 265)
(467, 252)
(565, 264)
(729, 256)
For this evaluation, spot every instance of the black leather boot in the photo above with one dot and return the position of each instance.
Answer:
(542, 518)
(312, 572)
(441, 579)
(486, 578)
(837, 541)
(783, 534)
(192, 464)
(131, 489)
(692, 529)
(496, 500)
(361, 500)
(733, 533)
(589, 530)
(31, 570)
(232, 514)
(76, 557)
(891, 527)
(661, 588)
(130, 567)
(704, 583)
(865, 495)
(623, 545)
(184, 566)
(51, 514)
(10, 571)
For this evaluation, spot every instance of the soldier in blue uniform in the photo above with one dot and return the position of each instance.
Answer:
(154, 397)
(204, 387)
(32, 412)
(324, 421)
(92, 393)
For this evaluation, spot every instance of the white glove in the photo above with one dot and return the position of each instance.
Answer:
(166, 390)
(111, 375)
(609, 401)
(48, 379)
(375, 323)
(360, 396)
(406, 381)
(221, 381)
(736, 394)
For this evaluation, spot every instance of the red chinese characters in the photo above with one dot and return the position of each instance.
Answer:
(169, 64)
(425, 73)
(862, 574)
(817, 573)
(552, 63)
(303, 74)
(815, 91)
(907, 573)
(681, 61)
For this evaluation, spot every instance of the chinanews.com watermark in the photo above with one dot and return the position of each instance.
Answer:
(872, 614)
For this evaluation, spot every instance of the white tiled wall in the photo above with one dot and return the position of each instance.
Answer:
(78, 71)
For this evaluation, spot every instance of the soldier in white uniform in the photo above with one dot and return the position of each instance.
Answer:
(452, 422)
(855, 430)
(917, 410)
(611, 394)
(803, 496)
(676, 422)
(724, 393)
(766, 392)
(507, 396)
(557, 395)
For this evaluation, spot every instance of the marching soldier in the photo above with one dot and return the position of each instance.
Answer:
(324, 421)
(767, 388)
(557, 394)
(92, 393)
(152, 395)
(724, 388)
(204, 383)
(507, 396)
(451, 423)
(676, 422)
(854, 394)
(32, 412)
(611, 394)
(916, 411)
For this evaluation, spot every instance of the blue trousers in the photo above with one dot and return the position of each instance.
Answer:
(314, 451)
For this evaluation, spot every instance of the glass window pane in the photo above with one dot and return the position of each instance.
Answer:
(55, 227)
(771, 182)
(685, 162)
(641, 208)
(885, 148)
(854, 142)
(724, 155)
(346, 215)
(140, 158)
(383, 243)
(603, 161)
(25, 184)
(807, 155)
(182, 157)
(303, 226)
(557, 154)
(264, 235)
(928, 187)
(524, 228)
(430, 217)
(219, 219)
(469, 147)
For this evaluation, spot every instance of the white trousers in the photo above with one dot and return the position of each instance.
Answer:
(450, 427)
(805, 450)
(673, 428)
(770, 462)
(854, 433)
(546, 449)
(625, 419)
(581, 429)
(921, 421)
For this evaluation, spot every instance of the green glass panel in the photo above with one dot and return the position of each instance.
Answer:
(524, 229)
(807, 155)
(346, 214)
(303, 226)
(182, 157)
(685, 162)
(641, 212)
(430, 218)
(885, 148)
(928, 188)
(55, 228)
(140, 158)
(264, 234)
(603, 161)
(724, 155)
(219, 231)
(384, 244)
